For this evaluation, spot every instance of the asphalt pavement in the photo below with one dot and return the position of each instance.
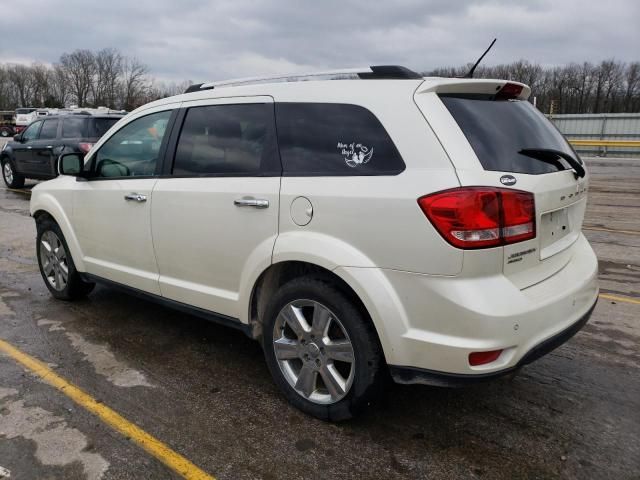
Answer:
(204, 391)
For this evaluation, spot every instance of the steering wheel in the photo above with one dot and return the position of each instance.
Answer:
(111, 168)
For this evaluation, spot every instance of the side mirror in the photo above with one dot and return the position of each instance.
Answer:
(71, 164)
(17, 137)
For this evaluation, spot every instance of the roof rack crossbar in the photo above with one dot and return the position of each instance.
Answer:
(373, 72)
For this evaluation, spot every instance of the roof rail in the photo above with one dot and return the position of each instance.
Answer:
(375, 72)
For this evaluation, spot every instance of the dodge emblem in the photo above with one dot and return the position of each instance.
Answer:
(508, 180)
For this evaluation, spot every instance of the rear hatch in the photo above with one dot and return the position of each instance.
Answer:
(496, 138)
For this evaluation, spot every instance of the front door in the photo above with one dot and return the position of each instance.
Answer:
(23, 150)
(43, 159)
(112, 209)
(215, 212)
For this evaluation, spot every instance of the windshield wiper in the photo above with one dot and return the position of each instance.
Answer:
(551, 155)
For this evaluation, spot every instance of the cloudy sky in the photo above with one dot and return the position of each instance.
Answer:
(215, 39)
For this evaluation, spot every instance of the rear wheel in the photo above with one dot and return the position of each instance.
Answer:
(56, 265)
(321, 350)
(11, 178)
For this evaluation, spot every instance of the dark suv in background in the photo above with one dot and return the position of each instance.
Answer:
(34, 152)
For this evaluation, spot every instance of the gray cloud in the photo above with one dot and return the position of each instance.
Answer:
(214, 39)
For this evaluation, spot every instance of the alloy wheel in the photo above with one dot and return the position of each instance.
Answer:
(314, 352)
(7, 171)
(53, 260)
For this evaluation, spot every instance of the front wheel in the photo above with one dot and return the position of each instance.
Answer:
(321, 350)
(11, 178)
(56, 265)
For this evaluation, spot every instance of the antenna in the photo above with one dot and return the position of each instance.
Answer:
(473, 69)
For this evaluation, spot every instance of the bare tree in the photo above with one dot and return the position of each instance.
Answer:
(20, 77)
(632, 88)
(134, 83)
(107, 73)
(60, 90)
(80, 67)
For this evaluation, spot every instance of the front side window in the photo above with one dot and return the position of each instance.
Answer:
(31, 133)
(74, 127)
(234, 140)
(49, 129)
(134, 149)
(333, 139)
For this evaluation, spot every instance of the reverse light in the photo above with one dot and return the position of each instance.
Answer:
(481, 217)
(85, 146)
(482, 358)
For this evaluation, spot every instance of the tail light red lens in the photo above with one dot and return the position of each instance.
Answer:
(482, 358)
(85, 146)
(481, 217)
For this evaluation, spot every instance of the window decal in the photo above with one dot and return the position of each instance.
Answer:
(355, 153)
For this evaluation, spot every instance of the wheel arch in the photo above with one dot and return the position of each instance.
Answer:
(50, 208)
(277, 274)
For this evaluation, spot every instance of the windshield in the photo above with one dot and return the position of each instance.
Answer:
(498, 129)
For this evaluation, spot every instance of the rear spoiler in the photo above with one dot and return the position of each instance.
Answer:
(474, 86)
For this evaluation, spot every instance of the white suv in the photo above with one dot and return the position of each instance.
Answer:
(380, 222)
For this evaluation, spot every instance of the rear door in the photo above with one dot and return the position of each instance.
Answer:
(490, 139)
(215, 211)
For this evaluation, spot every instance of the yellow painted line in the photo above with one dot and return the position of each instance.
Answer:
(619, 299)
(26, 192)
(602, 229)
(155, 447)
(605, 143)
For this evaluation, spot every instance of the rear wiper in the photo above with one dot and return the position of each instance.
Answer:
(551, 155)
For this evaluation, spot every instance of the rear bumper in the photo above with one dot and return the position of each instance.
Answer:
(412, 375)
(429, 323)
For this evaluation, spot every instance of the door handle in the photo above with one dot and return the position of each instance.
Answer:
(251, 202)
(135, 197)
(29, 148)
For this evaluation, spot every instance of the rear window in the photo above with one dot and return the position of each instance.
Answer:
(99, 126)
(498, 129)
(333, 139)
(74, 127)
(24, 111)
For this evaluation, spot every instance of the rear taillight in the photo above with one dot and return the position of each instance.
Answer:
(85, 146)
(481, 217)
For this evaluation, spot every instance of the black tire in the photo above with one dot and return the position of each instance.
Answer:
(17, 180)
(75, 287)
(5, 132)
(367, 352)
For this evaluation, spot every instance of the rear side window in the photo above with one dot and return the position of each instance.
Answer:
(234, 140)
(333, 139)
(49, 129)
(498, 129)
(99, 126)
(74, 127)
